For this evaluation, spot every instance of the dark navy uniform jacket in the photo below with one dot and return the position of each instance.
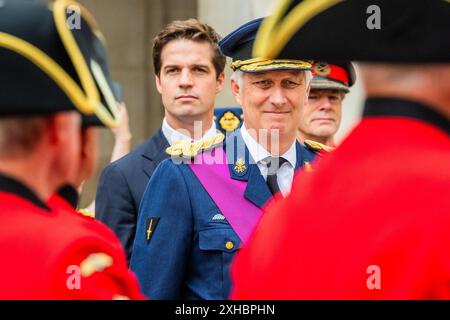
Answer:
(189, 253)
(123, 182)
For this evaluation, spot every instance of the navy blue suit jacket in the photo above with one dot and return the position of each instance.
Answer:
(122, 184)
(189, 255)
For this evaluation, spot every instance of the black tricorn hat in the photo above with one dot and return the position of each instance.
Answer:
(359, 30)
(93, 120)
(53, 59)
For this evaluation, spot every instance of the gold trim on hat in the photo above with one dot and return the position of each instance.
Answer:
(276, 30)
(51, 68)
(261, 64)
(110, 114)
(322, 69)
(85, 98)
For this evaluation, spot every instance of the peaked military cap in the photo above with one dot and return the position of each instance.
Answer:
(333, 75)
(358, 30)
(53, 59)
(239, 43)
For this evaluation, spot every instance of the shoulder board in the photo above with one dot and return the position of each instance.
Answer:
(188, 150)
(317, 146)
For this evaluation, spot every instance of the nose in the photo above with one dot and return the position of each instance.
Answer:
(277, 97)
(185, 80)
(325, 104)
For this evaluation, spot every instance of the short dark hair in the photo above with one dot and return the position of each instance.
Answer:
(190, 29)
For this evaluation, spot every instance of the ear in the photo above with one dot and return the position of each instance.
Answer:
(220, 82)
(89, 154)
(61, 127)
(158, 84)
(236, 92)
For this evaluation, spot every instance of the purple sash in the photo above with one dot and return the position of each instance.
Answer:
(227, 193)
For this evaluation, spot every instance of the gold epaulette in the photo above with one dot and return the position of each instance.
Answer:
(86, 213)
(188, 150)
(317, 146)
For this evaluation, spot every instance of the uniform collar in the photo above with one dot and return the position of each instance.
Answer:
(243, 167)
(11, 185)
(258, 153)
(173, 135)
(396, 107)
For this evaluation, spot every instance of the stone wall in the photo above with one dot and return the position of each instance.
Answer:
(129, 27)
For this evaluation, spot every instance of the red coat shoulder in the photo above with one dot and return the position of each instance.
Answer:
(59, 254)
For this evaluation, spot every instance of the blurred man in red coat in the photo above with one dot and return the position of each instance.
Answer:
(51, 74)
(373, 220)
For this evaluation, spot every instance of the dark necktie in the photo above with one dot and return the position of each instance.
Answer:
(273, 164)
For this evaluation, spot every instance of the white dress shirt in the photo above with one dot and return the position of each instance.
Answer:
(285, 174)
(173, 135)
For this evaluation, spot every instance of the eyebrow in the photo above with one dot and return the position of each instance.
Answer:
(170, 66)
(191, 66)
(200, 66)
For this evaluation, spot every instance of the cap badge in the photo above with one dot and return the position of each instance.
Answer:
(240, 166)
(322, 69)
(229, 121)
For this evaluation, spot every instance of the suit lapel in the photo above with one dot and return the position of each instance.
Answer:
(154, 152)
(242, 167)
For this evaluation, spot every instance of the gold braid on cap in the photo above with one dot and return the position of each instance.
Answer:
(261, 64)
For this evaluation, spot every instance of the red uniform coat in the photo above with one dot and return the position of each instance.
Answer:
(51, 252)
(371, 222)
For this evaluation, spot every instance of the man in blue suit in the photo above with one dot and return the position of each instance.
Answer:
(188, 73)
(194, 216)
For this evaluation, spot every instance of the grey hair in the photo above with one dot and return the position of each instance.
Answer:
(308, 77)
(237, 76)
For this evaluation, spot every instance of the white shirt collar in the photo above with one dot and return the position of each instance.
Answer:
(173, 135)
(258, 152)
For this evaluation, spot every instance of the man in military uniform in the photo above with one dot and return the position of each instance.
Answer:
(188, 69)
(195, 215)
(49, 75)
(321, 116)
(373, 220)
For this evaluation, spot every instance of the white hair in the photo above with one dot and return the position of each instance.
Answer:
(238, 77)
(308, 77)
